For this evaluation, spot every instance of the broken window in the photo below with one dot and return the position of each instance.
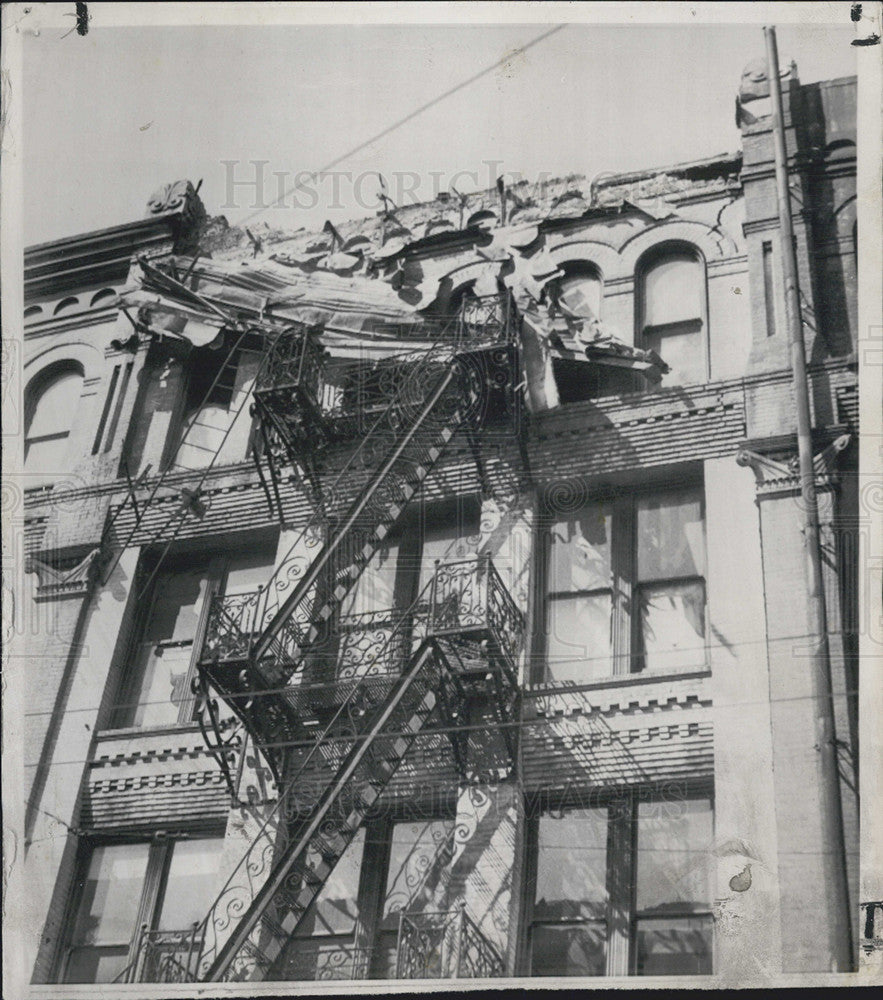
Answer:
(580, 582)
(671, 582)
(672, 296)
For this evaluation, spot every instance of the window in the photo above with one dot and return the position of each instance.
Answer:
(156, 690)
(218, 382)
(325, 940)
(672, 289)
(51, 401)
(670, 584)
(579, 291)
(400, 571)
(165, 884)
(621, 889)
(390, 867)
(625, 587)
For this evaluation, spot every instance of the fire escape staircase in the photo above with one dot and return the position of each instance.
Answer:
(460, 640)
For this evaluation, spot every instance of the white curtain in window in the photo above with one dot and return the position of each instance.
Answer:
(673, 290)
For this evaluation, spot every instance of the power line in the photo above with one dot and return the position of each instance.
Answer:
(542, 721)
(414, 114)
(536, 688)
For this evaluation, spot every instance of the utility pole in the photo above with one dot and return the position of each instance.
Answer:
(832, 845)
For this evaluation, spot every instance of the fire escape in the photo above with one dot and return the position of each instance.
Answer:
(449, 657)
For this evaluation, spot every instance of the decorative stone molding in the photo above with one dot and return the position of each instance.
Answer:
(53, 583)
(180, 198)
(774, 477)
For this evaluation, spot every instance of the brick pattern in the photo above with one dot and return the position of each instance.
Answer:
(144, 781)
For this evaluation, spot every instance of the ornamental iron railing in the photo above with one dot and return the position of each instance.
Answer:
(445, 944)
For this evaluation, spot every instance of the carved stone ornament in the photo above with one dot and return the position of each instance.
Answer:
(53, 583)
(775, 477)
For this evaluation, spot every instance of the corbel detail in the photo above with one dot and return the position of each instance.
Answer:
(775, 477)
(54, 583)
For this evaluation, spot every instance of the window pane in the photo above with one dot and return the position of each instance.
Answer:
(445, 544)
(375, 588)
(681, 947)
(191, 883)
(50, 454)
(673, 290)
(96, 965)
(674, 869)
(249, 570)
(177, 604)
(682, 348)
(671, 538)
(418, 864)
(569, 950)
(572, 865)
(203, 436)
(336, 908)
(578, 644)
(581, 294)
(672, 625)
(163, 675)
(580, 551)
(108, 907)
(56, 405)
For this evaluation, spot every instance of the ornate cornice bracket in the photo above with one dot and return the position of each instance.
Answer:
(53, 583)
(776, 477)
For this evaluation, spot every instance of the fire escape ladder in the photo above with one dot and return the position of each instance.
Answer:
(373, 513)
(257, 943)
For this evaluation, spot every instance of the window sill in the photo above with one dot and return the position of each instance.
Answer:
(616, 681)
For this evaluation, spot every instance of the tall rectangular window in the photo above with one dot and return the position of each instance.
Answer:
(670, 584)
(568, 931)
(672, 307)
(324, 944)
(580, 586)
(398, 573)
(625, 587)
(156, 686)
(673, 922)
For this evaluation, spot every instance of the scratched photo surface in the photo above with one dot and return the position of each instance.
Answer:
(440, 549)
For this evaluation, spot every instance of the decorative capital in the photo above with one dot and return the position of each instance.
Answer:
(182, 199)
(776, 477)
(54, 583)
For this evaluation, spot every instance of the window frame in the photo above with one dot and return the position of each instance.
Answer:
(651, 258)
(622, 866)
(161, 846)
(371, 891)
(626, 640)
(130, 676)
(461, 513)
(35, 390)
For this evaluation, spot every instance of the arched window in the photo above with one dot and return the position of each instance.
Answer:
(672, 313)
(51, 401)
(579, 291)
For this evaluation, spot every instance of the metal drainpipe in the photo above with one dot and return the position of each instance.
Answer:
(832, 846)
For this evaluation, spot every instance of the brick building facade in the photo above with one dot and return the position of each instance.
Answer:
(426, 598)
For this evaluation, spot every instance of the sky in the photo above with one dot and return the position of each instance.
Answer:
(112, 115)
